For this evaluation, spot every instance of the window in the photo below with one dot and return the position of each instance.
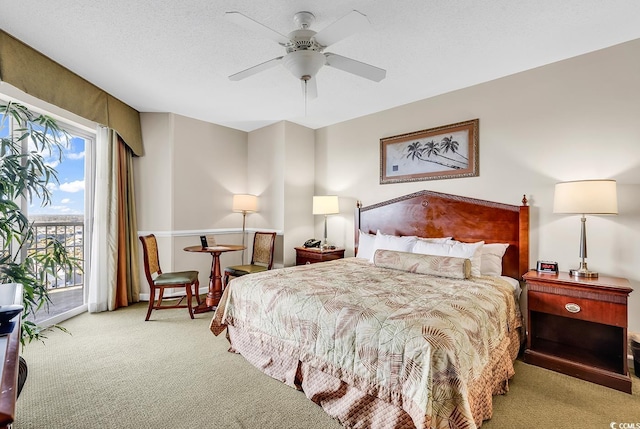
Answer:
(66, 217)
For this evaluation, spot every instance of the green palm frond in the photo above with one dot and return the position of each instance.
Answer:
(27, 174)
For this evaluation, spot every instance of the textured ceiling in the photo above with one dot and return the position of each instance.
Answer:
(176, 56)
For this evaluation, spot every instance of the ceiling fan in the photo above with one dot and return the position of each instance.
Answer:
(304, 48)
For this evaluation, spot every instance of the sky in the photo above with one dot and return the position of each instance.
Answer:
(67, 196)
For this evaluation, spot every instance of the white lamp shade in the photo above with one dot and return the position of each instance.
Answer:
(245, 203)
(325, 205)
(586, 197)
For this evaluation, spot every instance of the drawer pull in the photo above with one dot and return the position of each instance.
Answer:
(572, 308)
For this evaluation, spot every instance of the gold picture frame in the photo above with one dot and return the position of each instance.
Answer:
(445, 152)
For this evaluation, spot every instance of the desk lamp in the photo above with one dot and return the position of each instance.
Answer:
(325, 205)
(585, 197)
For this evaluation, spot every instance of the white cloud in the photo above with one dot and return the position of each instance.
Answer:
(65, 201)
(75, 186)
(73, 155)
(62, 210)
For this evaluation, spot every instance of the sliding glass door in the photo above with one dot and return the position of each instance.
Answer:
(67, 217)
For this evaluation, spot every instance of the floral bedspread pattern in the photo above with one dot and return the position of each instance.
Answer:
(417, 341)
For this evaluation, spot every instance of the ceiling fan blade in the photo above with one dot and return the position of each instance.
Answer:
(349, 24)
(256, 69)
(250, 24)
(310, 88)
(356, 67)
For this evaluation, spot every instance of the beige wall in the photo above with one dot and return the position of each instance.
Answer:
(298, 188)
(266, 175)
(576, 119)
(281, 173)
(191, 169)
(184, 188)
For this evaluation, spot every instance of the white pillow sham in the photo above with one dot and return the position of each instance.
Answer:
(470, 251)
(366, 244)
(393, 242)
(491, 259)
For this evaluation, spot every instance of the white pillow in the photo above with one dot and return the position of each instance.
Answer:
(366, 244)
(470, 251)
(491, 260)
(393, 242)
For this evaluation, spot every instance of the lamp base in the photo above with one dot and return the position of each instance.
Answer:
(583, 271)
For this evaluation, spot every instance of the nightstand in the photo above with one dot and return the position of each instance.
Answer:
(578, 326)
(311, 255)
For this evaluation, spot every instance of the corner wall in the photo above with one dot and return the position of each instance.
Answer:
(184, 188)
(281, 173)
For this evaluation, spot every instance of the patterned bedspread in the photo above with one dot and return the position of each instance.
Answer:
(431, 346)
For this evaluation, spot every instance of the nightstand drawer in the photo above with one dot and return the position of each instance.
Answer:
(608, 313)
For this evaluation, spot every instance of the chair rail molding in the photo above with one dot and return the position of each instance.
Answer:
(198, 232)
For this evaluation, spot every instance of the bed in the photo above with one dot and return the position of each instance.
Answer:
(402, 335)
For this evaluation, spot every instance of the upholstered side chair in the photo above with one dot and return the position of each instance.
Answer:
(261, 257)
(161, 281)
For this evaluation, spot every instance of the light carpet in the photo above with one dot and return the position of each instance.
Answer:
(116, 371)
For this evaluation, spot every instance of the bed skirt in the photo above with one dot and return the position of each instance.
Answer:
(356, 408)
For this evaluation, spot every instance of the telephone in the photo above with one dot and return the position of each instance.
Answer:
(312, 242)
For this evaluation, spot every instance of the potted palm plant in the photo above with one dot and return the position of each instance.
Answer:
(28, 137)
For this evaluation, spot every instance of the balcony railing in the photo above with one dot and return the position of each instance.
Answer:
(71, 235)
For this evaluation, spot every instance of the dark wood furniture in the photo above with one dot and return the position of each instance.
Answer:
(261, 257)
(215, 279)
(9, 347)
(161, 281)
(434, 214)
(578, 326)
(311, 255)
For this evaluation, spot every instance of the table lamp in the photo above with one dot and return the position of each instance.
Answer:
(244, 203)
(325, 205)
(585, 197)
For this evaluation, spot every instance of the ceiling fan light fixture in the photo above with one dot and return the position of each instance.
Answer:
(303, 63)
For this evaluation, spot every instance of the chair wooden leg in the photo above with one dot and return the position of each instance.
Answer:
(197, 286)
(189, 299)
(160, 297)
(152, 297)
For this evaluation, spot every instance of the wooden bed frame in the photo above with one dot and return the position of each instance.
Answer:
(434, 214)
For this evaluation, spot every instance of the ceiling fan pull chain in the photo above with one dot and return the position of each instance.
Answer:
(306, 81)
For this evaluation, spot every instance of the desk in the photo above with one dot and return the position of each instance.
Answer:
(10, 345)
(215, 278)
(10, 293)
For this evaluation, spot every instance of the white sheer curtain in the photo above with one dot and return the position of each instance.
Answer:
(104, 248)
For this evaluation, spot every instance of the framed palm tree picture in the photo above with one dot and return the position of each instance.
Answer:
(445, 152)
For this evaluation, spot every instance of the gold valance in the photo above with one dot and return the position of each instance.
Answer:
(34, 73)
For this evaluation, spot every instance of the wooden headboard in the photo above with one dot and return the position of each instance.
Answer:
(434, 214)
